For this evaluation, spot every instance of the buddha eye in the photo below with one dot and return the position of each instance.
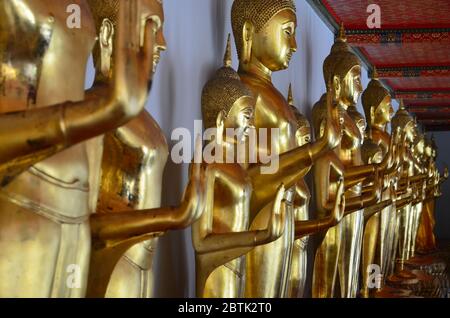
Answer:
(288, 31)
(157, 23)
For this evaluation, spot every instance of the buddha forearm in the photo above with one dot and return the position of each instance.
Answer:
(27, 137)
(418, 178)
(114, 228)
(358, 173)
(371, 210)
(403, 202)
(351, 183)
(358, 203)
(304, 228)
(229, 241)
(293, 165)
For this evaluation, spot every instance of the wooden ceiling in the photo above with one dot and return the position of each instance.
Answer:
(411, 50)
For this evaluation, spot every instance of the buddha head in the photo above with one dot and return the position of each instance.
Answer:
(419, 144)
(342, 70)
(106, 15)
(303, 132)
(377, 104)
(264, 31)
(434, 147)
(358, 118)
(227, 102)
(403, 120)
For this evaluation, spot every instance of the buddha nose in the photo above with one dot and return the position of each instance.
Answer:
(293, 44)
(161, 41)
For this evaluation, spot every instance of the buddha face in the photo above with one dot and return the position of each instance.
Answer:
(241, 117)
(410, 131)
(153, 13)
(274, 45)
(361, 124)
(376, 158)
(383, 112)
(420, 147)
(428, 151)
(351, 87)
(303, 135)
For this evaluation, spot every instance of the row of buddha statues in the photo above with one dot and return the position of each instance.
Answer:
(81, 171)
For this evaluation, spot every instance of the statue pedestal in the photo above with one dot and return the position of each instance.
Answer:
(431, 271)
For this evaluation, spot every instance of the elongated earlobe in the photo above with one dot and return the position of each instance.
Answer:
(220, 125)
(106, 37)
(372, 115)
(247, 38)
(336, 87)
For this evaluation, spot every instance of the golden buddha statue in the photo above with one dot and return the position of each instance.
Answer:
(403, 120)
(419, 162)
(45, 211)
(264, 31)
(129, 216)
(342, 244)
(378, 110)
(425, 240)
(303, 225)
(221, 237)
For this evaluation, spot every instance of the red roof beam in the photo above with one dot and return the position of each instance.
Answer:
(360, 37)
(425, 95)
(415, 71)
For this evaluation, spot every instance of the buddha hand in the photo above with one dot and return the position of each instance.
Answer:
(277, 219)
(393, 192)
(339, 204)
(193, 202)
(334, 122)
(133, 62)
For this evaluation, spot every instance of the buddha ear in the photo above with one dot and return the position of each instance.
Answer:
(336, 87)
(372, 114)
(106, 37)
(322, 128)
(220, 126)
(247, 41)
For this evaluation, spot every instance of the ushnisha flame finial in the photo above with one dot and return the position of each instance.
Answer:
(227, 57)
(341, 35)
(375, 73)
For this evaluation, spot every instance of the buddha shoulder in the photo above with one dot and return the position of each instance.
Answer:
(44, 17)
(381, 137)
(144, 133)
(230, 173)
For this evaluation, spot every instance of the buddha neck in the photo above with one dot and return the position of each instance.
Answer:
(256, 69)
(101, 78)
(232, 147)
(378, 126)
